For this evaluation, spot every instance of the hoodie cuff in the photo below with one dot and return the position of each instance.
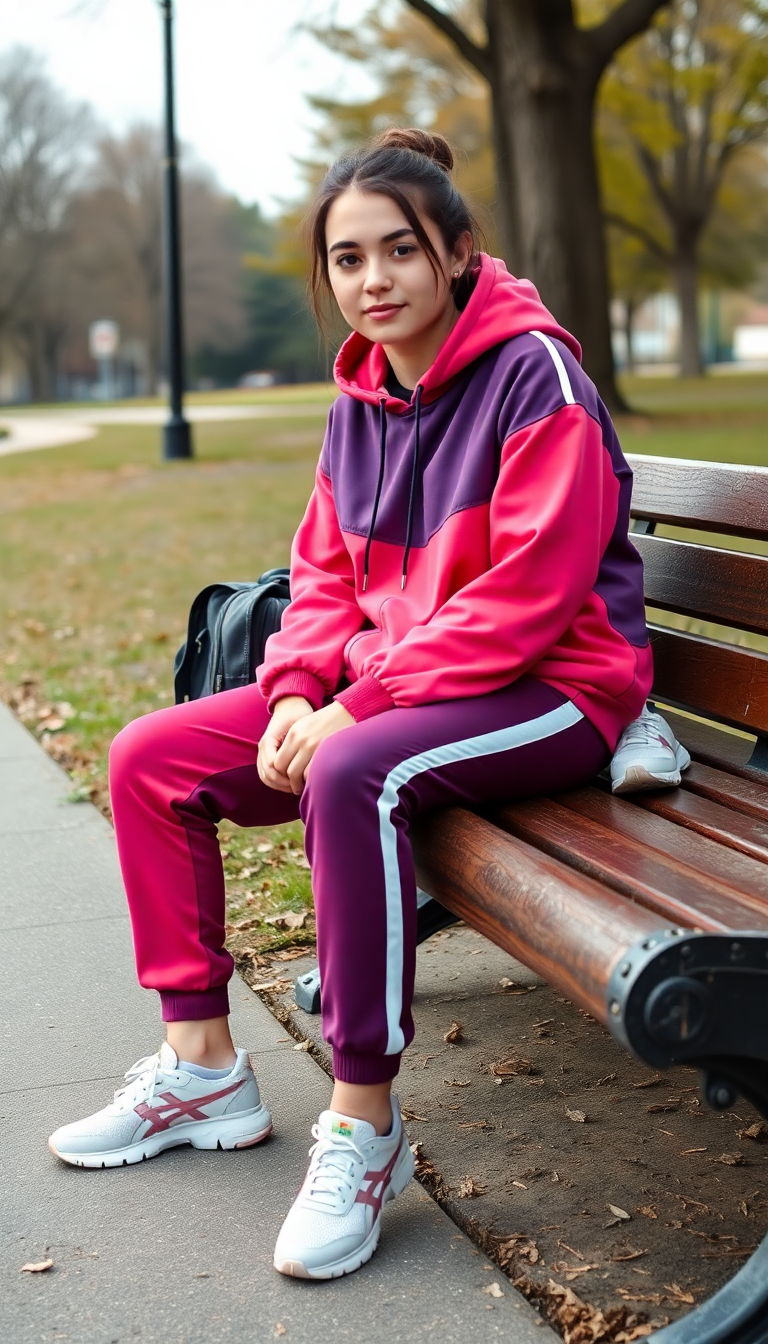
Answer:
(297, 682)
(364, 698)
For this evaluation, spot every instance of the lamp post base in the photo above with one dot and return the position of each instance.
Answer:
(177, 438)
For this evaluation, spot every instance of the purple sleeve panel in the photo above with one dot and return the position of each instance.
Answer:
(365, 698)
(296, 682)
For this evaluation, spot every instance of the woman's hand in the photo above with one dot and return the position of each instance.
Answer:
(286, 713)
(294, 757)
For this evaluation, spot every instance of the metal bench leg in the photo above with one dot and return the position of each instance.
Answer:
(700, 999)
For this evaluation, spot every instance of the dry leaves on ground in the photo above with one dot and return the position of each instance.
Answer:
(730, 1159)
(289, 921)
(493, 1290)
(38, 1267)
(455, 1034)
(512, 1068)
(469, 1189)
(758, 1132)
(579, 1117)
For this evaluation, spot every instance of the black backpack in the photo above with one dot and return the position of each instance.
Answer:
(229, 624)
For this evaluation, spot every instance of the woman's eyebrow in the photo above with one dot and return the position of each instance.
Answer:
(388, 238)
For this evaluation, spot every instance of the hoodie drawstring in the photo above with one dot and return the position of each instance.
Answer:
(380, 483)
(412, 495)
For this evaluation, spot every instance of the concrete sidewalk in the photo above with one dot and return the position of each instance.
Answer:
(177, 1250)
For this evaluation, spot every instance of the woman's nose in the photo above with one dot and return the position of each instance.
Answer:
(376, 279)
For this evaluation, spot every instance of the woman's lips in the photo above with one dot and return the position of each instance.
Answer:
(382, 311)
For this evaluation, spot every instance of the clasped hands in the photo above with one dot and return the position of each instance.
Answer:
(295, 732)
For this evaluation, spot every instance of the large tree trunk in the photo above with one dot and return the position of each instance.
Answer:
(686, 280)
(543, 83)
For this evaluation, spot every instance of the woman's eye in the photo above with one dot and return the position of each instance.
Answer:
(403, 249)
(347, 257)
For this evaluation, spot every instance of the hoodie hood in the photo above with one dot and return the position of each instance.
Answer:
(499, 308)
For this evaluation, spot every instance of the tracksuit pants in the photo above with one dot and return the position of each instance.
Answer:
(176, 773)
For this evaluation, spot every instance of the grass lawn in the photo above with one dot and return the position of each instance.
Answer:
(103, 547)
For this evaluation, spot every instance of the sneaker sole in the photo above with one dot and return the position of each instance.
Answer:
(225, 1132)
(637, 779)
(296, 1269)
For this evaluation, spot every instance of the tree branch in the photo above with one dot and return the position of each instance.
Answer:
(637, 231)
(477, 56)
(625, 22)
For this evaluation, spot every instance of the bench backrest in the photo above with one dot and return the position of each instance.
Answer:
(711, 677)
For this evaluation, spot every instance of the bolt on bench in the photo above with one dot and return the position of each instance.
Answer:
(652, 912)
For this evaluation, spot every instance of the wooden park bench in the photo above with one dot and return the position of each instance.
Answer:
(651, 911)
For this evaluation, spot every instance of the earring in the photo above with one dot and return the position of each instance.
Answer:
(456, 274)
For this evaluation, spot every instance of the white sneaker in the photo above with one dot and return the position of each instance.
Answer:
(334, 1223)
(648, 756)
(162, 1106)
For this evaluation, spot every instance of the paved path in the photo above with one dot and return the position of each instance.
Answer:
(177, 1250)
(51, 429)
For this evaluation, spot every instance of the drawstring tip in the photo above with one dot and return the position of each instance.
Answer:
(402, 583)
(365, 583)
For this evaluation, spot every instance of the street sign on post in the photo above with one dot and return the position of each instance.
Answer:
(103, 343)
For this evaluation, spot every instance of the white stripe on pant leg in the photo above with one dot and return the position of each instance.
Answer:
(486, 744)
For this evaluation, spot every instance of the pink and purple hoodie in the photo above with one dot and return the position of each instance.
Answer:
(479, 533)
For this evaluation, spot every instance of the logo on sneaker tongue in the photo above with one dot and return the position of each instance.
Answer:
(343, 1127)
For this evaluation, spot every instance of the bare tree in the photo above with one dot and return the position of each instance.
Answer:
(124, 211)
(543, 70)
(44, 142)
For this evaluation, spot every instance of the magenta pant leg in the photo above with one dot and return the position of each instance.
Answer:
(174, 775)
(365, 786)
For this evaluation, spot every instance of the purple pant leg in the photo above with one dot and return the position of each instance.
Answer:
(365, 786)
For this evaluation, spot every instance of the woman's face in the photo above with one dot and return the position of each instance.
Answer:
(381, 276)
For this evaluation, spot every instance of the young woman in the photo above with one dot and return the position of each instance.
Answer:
(467, 626)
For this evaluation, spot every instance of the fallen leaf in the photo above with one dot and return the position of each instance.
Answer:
(289, 921)
(758, 1132)
(663, 1107)
(493, 1290)
(454, 1082)
(518, 1185)
(579, 1116)
(37, 1268)
(630, 1255)
(408, 1114)
(264, 847)
(303, 1045)
(617, 1212)
(469, 1189)
(687, 1151)
(512, 1068)
(609, 1078)
(280, 1329)
(649, 1082)
(454, 1034)
(730, 1159)
(572, 1272)
(678, 1295)
(203, 1274)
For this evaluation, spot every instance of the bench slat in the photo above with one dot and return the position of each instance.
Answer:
(712, 678)
(706, 856)
(721, 750)
(740, 794)
(563, 925)
(660, 882)
(733, 829)
(706, 495)
(715, 585)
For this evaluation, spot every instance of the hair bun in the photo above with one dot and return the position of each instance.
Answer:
(432, 146)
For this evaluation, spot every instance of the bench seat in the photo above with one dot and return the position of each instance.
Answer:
(650, 911)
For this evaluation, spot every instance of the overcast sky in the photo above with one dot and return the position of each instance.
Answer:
(242, 72)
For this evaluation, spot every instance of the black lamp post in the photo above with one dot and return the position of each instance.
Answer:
(177, 436)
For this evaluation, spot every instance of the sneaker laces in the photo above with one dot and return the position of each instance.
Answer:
(143, 1072)
(641, 732)
(334, 1171)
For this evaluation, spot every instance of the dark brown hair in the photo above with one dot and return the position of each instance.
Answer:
(413, 168)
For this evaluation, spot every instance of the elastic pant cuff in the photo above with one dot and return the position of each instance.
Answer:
(195, 1006)
(365, 1069)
